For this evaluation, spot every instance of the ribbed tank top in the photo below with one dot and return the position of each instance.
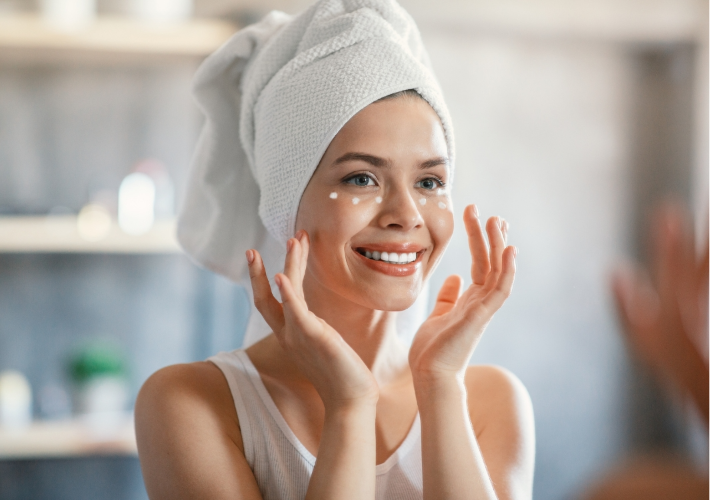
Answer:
(281, 465)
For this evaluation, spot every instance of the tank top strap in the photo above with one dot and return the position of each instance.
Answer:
(244, 395)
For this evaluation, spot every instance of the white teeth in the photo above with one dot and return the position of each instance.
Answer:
(391, 257)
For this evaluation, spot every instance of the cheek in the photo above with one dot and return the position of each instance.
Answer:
(333, 221)
(440, 221)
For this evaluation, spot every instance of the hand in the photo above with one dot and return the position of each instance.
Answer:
(336, 371)
(665, 318)
(445, 342)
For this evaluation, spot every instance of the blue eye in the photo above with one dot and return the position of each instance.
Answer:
(361, 180)
(429, 183)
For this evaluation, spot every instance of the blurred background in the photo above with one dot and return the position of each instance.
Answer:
(573, 118)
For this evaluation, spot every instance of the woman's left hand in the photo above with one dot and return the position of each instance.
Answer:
(446, 340)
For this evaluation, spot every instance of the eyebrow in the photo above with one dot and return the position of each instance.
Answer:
(376, 161)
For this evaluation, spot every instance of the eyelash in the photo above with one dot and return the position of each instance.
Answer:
(347, 180)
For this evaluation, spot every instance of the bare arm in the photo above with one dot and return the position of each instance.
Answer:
(478, 437)
(345, 467)
(452, 462)
(468, 419)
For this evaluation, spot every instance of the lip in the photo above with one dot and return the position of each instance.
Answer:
(399, 270)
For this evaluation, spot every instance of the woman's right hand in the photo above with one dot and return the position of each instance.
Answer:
(336, 371)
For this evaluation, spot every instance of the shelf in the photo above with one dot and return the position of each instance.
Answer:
(67, 438)
(59, 234)
(115, 35)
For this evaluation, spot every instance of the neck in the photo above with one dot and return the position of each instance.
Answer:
(372, 334)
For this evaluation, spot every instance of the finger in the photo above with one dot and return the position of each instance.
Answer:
(504, 286)
(264, 300)
(448, 295)
(292, 267)
(494, 228)
(480, 267)
(305, 249)
(634, 301)
(295, 308)
(669, 254)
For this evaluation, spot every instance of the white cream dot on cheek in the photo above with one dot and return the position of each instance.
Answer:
(378, 199)
(442, 205)
(441, 191)
(422, 201)
(356, 201)
(333, 195)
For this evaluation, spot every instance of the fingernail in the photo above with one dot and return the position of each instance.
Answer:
(475, 211)
(515, 251)
(277, 279)
(289, 244)
(506, 226)
(250, 257)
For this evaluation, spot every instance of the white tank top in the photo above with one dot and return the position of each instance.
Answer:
(281, 465)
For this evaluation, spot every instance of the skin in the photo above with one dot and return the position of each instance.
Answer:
(334, 365)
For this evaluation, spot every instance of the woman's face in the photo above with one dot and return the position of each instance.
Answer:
(380, 190)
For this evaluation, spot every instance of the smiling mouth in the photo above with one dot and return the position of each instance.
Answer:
(390, 257)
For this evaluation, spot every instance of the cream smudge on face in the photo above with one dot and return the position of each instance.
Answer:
(442, 205)
(356, 201)
(378, 199)
(422, 201)
(333, 195)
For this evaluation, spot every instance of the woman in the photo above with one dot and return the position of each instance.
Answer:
(333, 404)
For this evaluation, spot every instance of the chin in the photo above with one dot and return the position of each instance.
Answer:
(389, 299)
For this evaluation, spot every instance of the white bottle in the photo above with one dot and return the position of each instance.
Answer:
(15, 399)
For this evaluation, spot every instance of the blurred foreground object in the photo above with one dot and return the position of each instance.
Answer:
(665, 317)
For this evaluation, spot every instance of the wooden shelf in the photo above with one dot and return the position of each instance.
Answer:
(59, 234)
(115, 35)
(67, 438)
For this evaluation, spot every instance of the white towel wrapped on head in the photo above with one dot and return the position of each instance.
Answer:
(274, 96)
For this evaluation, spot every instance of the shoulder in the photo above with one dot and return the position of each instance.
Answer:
(188, 436)
(498, 387)
(501, 414)
(497, 395)
(180, 393)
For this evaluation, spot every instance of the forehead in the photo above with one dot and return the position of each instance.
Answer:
(394, 128)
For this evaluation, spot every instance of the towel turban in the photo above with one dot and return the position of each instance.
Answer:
(274, 96)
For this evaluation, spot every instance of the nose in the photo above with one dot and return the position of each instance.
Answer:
(399, 209)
